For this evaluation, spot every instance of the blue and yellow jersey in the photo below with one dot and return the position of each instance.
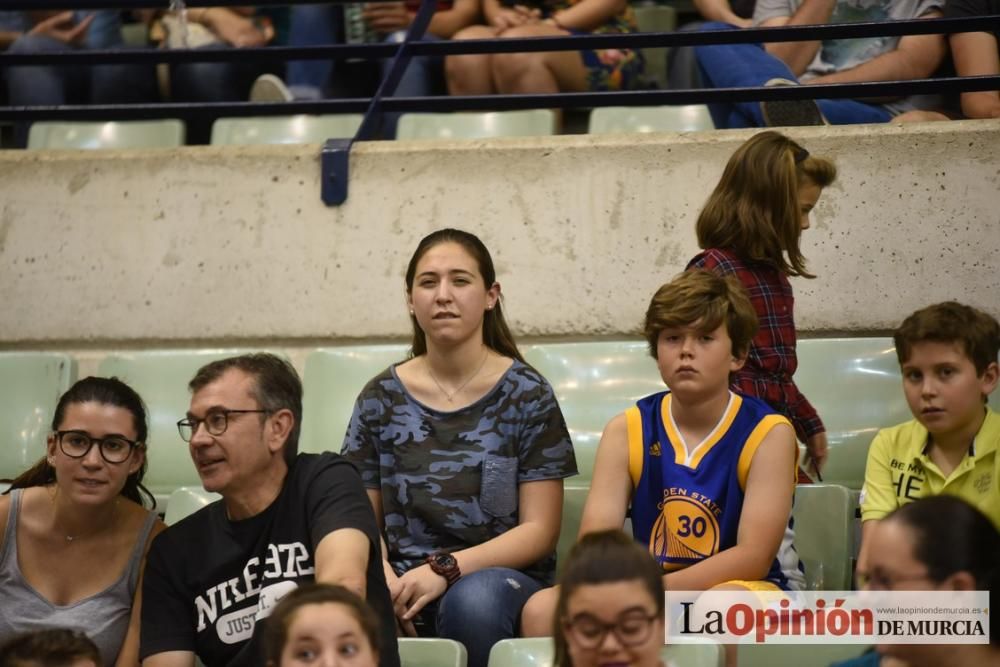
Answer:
(686, 504)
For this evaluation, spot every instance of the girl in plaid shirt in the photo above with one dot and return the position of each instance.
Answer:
(750, 228)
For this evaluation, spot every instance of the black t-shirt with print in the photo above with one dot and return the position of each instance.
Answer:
(209, 580)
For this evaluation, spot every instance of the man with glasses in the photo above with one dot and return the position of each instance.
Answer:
(284, 519)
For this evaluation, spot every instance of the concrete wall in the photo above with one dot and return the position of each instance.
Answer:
(232, 246)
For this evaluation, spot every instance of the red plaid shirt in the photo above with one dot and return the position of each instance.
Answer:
(772, 361)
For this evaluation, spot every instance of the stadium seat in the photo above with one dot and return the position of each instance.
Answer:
(539, 652)
(187, 500)
(31, 387)
(414, 652)
(165, 133)
(682, 118)
(299, 129)
(855, 385)
(161, 378)
(800, 655)
(593, 382)
(475, 125)
(823, 516)
(656, 18)
(574, 497)
(334, 377)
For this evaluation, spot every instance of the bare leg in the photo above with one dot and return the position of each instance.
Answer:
(919, 116)
(471, 74)
(538, 612)
(536, 73)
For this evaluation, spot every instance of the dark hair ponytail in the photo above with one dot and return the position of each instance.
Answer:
(107, 391)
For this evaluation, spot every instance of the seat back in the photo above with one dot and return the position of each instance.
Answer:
(540, 652)
(431, 652)
(823, 516)
(855, 386)
(574, 497)
(187, 500)
(593, 382)
(477, 125)
(678, 118)
(31, 387)
(161, 378)
(334, 377)
(166, 133)
(656, 18)
(298, 129)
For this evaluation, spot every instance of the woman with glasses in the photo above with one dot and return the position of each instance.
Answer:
(611, 606)
(940, 543)
(74, 527)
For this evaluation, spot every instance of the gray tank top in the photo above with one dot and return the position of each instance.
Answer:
(103, 617)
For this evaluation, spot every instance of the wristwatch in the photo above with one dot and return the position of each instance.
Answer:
(444, 563)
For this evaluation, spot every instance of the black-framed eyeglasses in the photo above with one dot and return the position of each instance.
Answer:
(631, 629)
(216, 422)
(880, 581)
(113, 449)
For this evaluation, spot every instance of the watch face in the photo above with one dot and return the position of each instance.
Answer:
(445, 561)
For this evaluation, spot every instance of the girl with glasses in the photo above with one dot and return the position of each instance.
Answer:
(610, 608)
(940, 543)
(74, 529)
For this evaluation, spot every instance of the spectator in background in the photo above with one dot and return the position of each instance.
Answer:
(976, 54)
(50, 648)
(59, 85)
(74, 529)
(827, 61)
(552, 71)
(682, 66)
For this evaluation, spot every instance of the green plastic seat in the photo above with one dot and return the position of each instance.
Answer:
(476, 125)
(681, 118)
(333, 378)
(161, 378)
(593, 382)
(31, 387)
(299, 129)
(187, 500)
(824, 515)
(539, 652)
(167, 133)
(574, 497)
(656, 18)
(799, 655)
(856, 386)
(430, 652)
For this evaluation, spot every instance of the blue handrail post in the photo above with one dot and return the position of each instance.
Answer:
(336, 154)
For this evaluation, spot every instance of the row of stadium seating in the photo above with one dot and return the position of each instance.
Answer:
(298, 129)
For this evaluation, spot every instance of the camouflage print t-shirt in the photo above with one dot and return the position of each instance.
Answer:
(449, 479)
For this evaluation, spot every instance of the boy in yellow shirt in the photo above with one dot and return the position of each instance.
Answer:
(948, 356)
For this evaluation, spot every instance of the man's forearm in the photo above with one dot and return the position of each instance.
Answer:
(717, 10)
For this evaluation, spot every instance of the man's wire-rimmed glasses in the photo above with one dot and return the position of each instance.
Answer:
(216, 422)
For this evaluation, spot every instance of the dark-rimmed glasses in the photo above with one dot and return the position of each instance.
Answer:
(113, 449)
(631, 629)
(880, 581)
(216, 422)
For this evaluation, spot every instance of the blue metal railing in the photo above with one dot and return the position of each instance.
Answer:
(336, 151)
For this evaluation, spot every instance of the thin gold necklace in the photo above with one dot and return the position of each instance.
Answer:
(455, 393)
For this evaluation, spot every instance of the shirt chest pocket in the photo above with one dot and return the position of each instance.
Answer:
(498, 489)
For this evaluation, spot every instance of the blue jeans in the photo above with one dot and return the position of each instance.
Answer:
(746, 65)
(59, 85)
(484, 607)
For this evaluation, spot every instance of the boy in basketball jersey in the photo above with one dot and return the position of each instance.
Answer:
(709, 474)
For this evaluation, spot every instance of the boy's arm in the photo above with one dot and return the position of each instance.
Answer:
(611, 487)
(878, 496)
(766, 507)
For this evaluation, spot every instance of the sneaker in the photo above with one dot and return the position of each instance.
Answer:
(269, 88)
(790, 113)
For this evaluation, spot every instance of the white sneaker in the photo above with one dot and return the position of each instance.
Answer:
(269, 88)
(790, 113)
